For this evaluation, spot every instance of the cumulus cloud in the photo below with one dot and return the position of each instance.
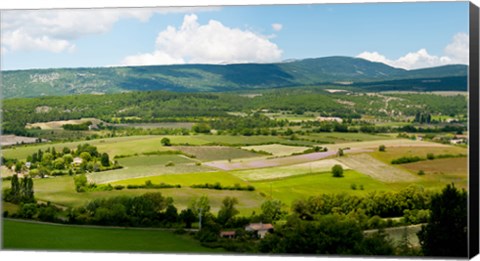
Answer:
(211, 43)
(277, 27)
(455, 52)
(55, 30)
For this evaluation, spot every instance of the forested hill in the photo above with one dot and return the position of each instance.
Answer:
(354, 72)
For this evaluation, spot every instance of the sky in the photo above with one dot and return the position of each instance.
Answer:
(403, 35)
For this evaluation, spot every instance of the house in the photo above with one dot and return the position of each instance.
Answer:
(77, 161)
(227, 234)
(259, 229)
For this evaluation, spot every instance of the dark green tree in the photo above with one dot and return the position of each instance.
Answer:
(337, 171)
(227, 210)
(105, 160)
(188, 217)
(445, 234)
(166, 142)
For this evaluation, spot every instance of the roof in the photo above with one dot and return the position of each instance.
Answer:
(259, 226)
(227, 233)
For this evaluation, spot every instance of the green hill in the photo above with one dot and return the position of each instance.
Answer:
(221, 78)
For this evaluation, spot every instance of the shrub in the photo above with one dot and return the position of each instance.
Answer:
(170, 164)
(337, 171)
(381, 148)
(430, 156)
(421, 172)
(353, 186)
(119, 187)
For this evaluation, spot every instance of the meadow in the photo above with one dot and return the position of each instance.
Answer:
(23, 235)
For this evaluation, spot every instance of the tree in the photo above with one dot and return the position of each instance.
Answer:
(188, 217)
(272, 210)
(200, 204)
(340, 152)
(105, 160)
(337, 171)
(381, 148)
(85, 156)
(446, 231)
(228, 210)
(166, 142)
(171, 214)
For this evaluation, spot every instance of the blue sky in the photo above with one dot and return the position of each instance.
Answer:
(406, 35)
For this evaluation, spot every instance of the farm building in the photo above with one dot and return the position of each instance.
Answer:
(260, 229)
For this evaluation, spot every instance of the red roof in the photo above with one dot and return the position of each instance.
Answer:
(227, 233)
(259, 226)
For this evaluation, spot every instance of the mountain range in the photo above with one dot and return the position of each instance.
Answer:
(341, 72)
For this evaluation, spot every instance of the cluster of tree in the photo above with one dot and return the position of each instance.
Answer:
(430, 156)
(21, 190)
(53, 162)
(218, 186)
(423, 117)
(160, 106)
(326, 234)
(77, 127)
(377, 203)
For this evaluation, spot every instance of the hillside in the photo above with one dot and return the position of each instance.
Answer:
(219, 78)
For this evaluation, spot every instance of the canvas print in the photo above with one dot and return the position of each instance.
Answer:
(320, 129)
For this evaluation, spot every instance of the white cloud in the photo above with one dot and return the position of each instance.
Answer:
(277, 27)
(211, 43)
(55, 30)
(454, 53)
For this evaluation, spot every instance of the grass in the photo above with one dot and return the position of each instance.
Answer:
(61, 190)
(392, 153)
(18, 235)
(11, 208)
(442, 171)
(341, 137)
(165, 125)
(286, 171)
(223, 178)
(291, 188)
(146, 166)
(210, 153)
(277, 149)
(148, 143)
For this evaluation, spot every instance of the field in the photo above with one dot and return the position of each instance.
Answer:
(51, 125)
(334, 137)
(287, 171)
(8, 140)
(210, 153)
(223, 178)
(21, 235)
(376, 169)
(164, 125)
(145, 166)
(296, 187)
(277, 149)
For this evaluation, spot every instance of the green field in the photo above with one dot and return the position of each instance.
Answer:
(291, 188)
(140, 144)
(223, 178)
(286, 171)
(341, 137)
(209, 153)
(145, 166)
(18, 235)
